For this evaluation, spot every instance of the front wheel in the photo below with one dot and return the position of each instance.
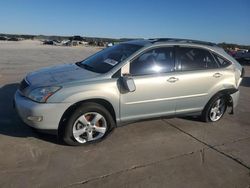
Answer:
(89, 123)
(215, 109)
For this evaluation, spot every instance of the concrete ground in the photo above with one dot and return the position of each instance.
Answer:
(177, 152)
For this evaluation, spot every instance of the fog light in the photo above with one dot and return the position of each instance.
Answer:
(35, 118)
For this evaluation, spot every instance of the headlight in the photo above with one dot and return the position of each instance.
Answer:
(43, 93)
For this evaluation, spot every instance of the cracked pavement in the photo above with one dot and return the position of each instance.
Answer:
(176, 152)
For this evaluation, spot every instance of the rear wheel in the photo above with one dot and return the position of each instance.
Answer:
(215, 109)
(89, 123)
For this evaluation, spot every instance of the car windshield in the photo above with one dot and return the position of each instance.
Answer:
(108, 58)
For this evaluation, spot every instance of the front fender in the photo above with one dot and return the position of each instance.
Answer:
(107, 91)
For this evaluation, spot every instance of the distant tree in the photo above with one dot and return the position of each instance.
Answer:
(233, 46)
(78, 38)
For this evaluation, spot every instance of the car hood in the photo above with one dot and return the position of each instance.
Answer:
(60, 74)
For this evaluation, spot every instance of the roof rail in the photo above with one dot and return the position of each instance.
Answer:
(182, 40)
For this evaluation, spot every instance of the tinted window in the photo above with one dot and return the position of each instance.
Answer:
(222, 62)
(106, 59)
(154, 61)
(195, 59)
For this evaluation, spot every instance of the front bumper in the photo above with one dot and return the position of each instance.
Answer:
(51, 113)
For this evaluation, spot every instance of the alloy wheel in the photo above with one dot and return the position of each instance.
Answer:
(89, 127)
(217, 110)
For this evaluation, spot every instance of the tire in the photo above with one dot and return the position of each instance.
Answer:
(214, 111)
(88, 119)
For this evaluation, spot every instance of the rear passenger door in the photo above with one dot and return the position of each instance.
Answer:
(198, 73)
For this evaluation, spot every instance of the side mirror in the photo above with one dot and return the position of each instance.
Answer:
(128, 83)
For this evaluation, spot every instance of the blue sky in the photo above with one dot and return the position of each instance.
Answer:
(211, 20)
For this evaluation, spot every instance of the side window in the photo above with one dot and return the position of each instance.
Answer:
(154, 61)
(195, 59)
(222, 62)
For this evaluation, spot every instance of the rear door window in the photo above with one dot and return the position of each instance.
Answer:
(195, 59)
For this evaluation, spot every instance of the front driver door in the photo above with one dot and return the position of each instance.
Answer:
(154, 77)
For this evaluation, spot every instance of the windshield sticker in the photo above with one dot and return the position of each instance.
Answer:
(111, 62)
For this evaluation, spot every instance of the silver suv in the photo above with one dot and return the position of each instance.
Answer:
(128, 82)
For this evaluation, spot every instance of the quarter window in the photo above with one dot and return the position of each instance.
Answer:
(159, 60)
(222, 62)
(195, 59)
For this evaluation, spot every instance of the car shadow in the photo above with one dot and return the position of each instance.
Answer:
(191, 118)
(10, 123)
(245, 82)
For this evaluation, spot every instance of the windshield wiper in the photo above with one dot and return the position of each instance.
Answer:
(85, 66)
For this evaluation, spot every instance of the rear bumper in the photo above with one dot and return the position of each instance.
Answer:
(235, 97)
(49, 114)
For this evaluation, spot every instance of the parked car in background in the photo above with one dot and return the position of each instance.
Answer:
(231, 52)
(243, 56)
(131, 81)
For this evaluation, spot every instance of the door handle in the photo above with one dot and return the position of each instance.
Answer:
(217, 75)
(172, 79)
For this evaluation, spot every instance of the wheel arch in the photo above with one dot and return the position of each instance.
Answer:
(227, 93)
(106, 104)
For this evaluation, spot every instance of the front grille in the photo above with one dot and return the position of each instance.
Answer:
(23, 85)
